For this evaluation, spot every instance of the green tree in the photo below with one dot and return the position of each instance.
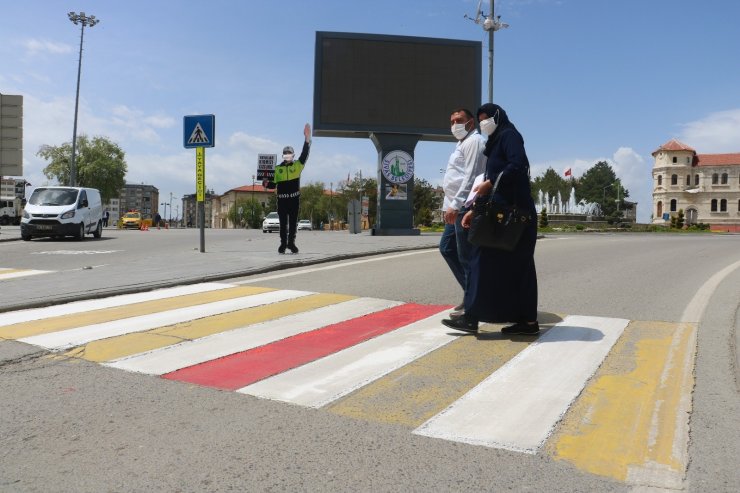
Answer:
(251, 213)
(425, 202)
(600, 184)
(100, 164)
(271, 203)
(552, 183)
(311, 206)
(680, 219)
(544, 221)
(355, 190)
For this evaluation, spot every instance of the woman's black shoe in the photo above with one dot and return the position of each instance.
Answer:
(461, 323)
(522, 328)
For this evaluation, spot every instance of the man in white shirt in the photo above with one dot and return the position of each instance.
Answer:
(466, 162)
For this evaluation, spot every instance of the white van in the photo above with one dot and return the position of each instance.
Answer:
(63, 211)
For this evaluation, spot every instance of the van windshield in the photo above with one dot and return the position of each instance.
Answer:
(53, 196)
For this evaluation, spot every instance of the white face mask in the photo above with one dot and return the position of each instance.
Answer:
(288, 157)
(488, 126)
(459, 131)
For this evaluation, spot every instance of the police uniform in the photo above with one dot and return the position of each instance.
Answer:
(287, 180)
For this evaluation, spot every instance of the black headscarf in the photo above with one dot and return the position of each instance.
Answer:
(502, 123)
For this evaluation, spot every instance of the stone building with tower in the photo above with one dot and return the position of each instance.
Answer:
(705, 186)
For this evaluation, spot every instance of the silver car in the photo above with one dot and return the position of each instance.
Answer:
(271, 223)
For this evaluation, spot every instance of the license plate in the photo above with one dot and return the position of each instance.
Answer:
(44, 226)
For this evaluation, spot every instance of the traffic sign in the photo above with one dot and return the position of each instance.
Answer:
(199, 131)
(266, 166)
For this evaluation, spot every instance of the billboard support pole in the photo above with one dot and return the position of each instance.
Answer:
(395, 214)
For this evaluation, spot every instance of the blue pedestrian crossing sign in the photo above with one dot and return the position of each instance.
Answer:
(199, 131)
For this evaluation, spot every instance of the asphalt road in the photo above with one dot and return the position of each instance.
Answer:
(71, 425)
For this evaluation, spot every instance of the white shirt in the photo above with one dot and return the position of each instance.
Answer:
(466, 162)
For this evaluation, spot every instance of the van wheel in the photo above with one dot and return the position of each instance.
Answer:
(99, 230)
(26, 237)
(80, 232)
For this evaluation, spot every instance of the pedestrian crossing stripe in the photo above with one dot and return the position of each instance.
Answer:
(198, 136)
(599, 393)
(15, 273)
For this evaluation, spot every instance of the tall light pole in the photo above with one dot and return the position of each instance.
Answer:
(490, 24)
(84, 20)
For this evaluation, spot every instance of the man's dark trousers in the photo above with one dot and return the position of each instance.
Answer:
(288, 216)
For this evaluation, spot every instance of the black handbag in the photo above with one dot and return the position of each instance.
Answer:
(496, 225)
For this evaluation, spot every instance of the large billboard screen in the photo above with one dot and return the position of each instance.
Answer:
(368, 83)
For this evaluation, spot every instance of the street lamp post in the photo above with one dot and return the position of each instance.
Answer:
(253, 177)
(491, 24)
(165, 204)
(84, 20)
(331, 213)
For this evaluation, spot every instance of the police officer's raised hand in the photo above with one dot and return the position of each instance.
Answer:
(307, 132)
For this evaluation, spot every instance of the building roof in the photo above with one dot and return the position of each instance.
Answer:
(674, 145)
(732, 159)
(250, 188)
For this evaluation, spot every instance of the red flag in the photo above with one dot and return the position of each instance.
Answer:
(568, 172)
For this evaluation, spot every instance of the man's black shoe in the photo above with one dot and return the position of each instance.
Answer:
(462, 324)
(522, 328)
(281, 248)
(292, 247)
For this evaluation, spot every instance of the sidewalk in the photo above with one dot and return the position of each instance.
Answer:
(105, 270)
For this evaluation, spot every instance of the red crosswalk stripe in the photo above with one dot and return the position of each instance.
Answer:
(241, 369)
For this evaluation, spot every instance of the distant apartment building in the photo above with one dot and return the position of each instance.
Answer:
(142, 198)
(190, 209)
(114, 209)
(705, 186)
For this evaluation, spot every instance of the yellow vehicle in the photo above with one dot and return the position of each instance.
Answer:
(131, 220)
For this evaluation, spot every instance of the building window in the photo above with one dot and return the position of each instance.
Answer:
(715, 179)
(674, 179)
(724, 179)
(660, 209)
(696, 180)
(675, 159)
(723, 205)
(738, 205)
(714, 205)
(673, 205)
(688, 180)
(660, 180)
(687, 160)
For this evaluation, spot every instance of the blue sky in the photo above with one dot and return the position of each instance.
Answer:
(583, 80)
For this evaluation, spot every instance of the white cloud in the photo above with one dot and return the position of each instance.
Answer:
(40, 46)
(718, 132)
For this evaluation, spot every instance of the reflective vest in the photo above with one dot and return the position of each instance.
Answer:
(288, 172)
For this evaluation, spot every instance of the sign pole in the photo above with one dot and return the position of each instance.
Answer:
(200, 180)
(199, 131)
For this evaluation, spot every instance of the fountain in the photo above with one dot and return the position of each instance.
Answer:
(570, 212)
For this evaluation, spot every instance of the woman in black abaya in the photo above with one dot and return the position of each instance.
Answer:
(502, 286)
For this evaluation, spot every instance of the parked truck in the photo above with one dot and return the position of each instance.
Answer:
(12, 200)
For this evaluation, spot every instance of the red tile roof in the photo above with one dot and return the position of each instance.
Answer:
(674, 145)
(717, 159)
(249, 188)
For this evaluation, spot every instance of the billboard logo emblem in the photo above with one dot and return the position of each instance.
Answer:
(398, 167)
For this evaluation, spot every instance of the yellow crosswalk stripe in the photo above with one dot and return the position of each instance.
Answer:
(414, 393)
(624, 424)
(139, 342)
(54, 324)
